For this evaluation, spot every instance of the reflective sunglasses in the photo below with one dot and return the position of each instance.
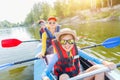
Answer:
(51, 22)
(64, 42)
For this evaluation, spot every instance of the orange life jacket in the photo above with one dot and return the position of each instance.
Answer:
(66, 64)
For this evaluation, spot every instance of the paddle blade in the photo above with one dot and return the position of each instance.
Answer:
(111, 42)
(10, 43)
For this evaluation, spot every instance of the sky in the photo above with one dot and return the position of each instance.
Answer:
(16, 11)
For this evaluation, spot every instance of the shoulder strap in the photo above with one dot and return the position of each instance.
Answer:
(57, 28)
(49, 34)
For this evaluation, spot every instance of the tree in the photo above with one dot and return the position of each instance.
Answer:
(109, 3)
(102, 3)
(39, 11)
(58, 7)
(29, 19)
(45, 11)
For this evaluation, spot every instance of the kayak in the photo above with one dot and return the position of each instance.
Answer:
(40, 65)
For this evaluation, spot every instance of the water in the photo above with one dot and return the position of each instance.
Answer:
(18, 53)
(89, 34)
(96, 33)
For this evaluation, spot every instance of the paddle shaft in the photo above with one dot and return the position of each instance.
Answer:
(103, 69)
(28, 60)
(31, 41)
(15, 63)
(91, 46)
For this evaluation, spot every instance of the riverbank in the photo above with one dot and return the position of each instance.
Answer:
(92, 16)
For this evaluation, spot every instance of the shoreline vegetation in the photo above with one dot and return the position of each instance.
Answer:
(70, 12)
(87, 16)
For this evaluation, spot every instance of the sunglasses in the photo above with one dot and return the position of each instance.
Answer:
(51, 22)
(64, 42)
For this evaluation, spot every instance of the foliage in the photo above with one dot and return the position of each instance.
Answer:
(66, 8)
(39, 11)
(6, 24)
(115, 13)
(102, 15)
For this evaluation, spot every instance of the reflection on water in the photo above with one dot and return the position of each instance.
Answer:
(17, 70)
(20, 73)
(89, 34)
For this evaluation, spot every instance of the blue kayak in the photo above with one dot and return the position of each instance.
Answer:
(40, 65)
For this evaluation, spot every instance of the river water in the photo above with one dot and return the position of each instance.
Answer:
(18, 53)
(89, 34)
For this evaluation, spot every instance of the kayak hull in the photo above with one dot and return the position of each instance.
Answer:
(40, 65)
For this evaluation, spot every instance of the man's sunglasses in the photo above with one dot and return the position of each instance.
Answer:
(64, 42)
(51, 22)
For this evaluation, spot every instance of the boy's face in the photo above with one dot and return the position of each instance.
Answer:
(52, 23)
(67, 42)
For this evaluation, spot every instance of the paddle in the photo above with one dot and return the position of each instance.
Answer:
(103, 69)
(6, 43)
(109, 43)
(15, 63)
